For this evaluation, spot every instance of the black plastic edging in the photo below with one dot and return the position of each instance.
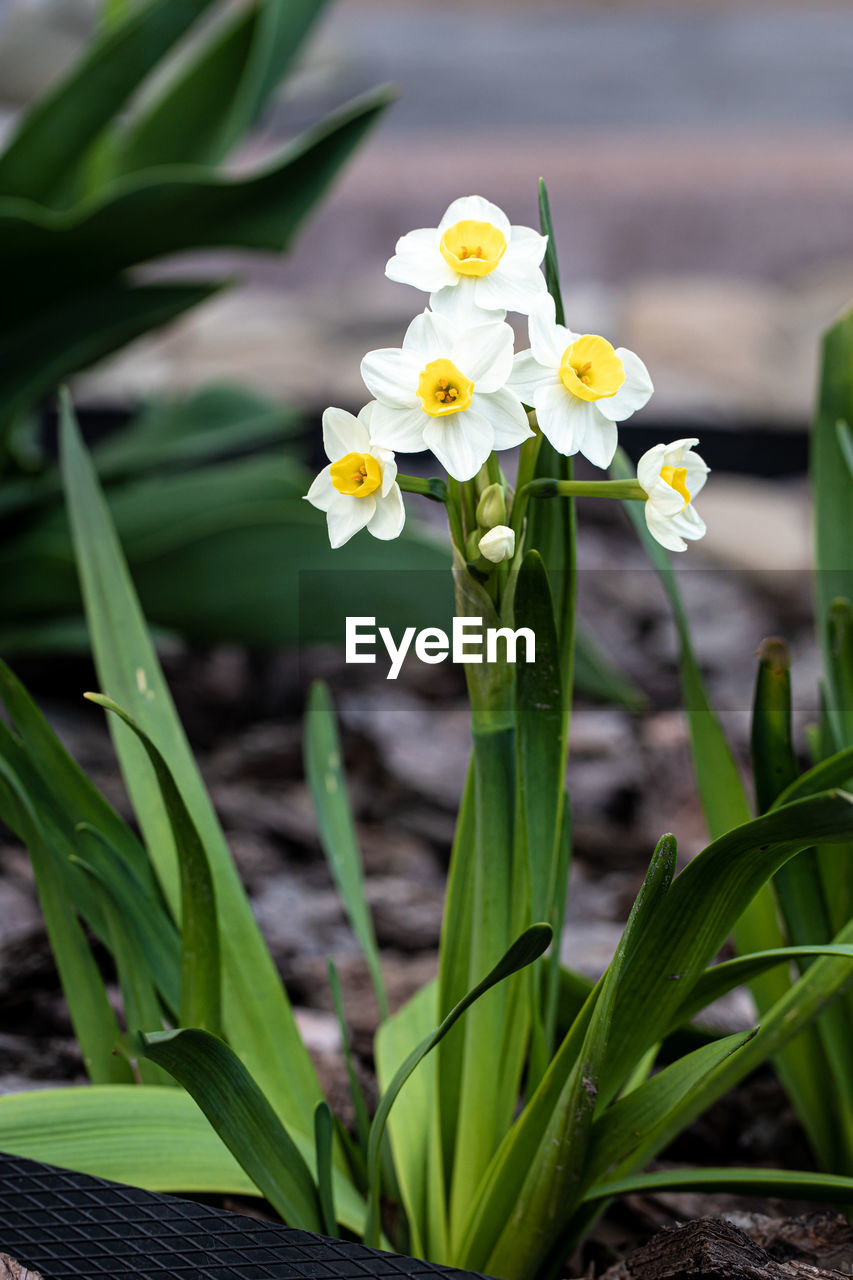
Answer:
(70, 1226)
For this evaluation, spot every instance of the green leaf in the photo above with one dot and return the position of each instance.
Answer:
(73, 332)
(241, 1115)
(174, 209)
(139, 997)
(552, 271)
(412, 1119)
(700, 909)
(832, 486)
(324, 1132)
(94, 1022)
(823, 1188)
(524, 951)
(832, 772)
(324, 771)
(206, 424)
(256, 1013)
(539, 720)
(359, 1106)
(148, 1137)
(207, 108)
(644, 1121)
(517, 1228)
(722, 978)
(58, 130)
(200, 977)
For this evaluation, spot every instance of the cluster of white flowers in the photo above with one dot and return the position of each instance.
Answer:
(456, 388)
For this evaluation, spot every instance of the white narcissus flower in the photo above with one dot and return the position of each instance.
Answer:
(359, 487)
(498, 544)
(444, 390)
(672, 475)
(579, 385)
(473, 258)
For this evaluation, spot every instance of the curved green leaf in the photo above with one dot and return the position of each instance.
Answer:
(241, 1115)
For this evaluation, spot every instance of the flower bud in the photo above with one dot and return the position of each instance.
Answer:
(498, 544)
(472, 545)
(491, 509)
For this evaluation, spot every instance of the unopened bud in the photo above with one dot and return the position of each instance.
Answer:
(491, 509)
(498, 544)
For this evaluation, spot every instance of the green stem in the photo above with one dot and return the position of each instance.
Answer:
(528, 454)
(454, 514)
(624, 489)
(433, 488)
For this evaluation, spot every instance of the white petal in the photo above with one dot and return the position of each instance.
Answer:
(484, 353)
(400, 429)
(697, 473)
(342, 434)
(475, 209)
(322, 492)
(459, 305)
(429, 337)
(391, 375)
(689, 524)
(648, 468)
(527, 244)
(633, 393)
(389, 468)
(675, 451)
(562, 417)
(528, 375)
(366, 414)
(515, 286)
(417, 261)
(390, 516)
(508, 420)
(546, 339)
(346, 517)
(668, 501)
(600, 439)
(461, 441)
(661, 528)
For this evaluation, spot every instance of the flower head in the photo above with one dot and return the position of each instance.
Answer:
(498, 544)
(472, 259)
(359, 487)
(444, 390)
(579, 385)
(672, 475)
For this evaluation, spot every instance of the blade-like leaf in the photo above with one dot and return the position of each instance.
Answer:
(243, 1118)
(529, 947)
(55, 134)
(256, 1013)
(200, 976)
(825, 1188)
(324, 771)
(94, 1022)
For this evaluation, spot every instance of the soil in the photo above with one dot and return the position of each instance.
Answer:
(406, 748)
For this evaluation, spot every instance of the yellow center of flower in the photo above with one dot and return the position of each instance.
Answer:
(676, 478)
(590, 369)
(442, 389)
(473, 248)
(356, 475)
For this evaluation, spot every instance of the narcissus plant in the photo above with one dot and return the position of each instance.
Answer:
(672, 475)
(358, 489)
(473, 257)
(444, 390)
(579, 385)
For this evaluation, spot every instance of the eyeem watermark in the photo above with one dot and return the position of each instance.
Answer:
(469, 641)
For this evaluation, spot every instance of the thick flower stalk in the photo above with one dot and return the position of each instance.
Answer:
(358, 489)
(579, 385)
(474, 259)
(671, 475)
(444, 390)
